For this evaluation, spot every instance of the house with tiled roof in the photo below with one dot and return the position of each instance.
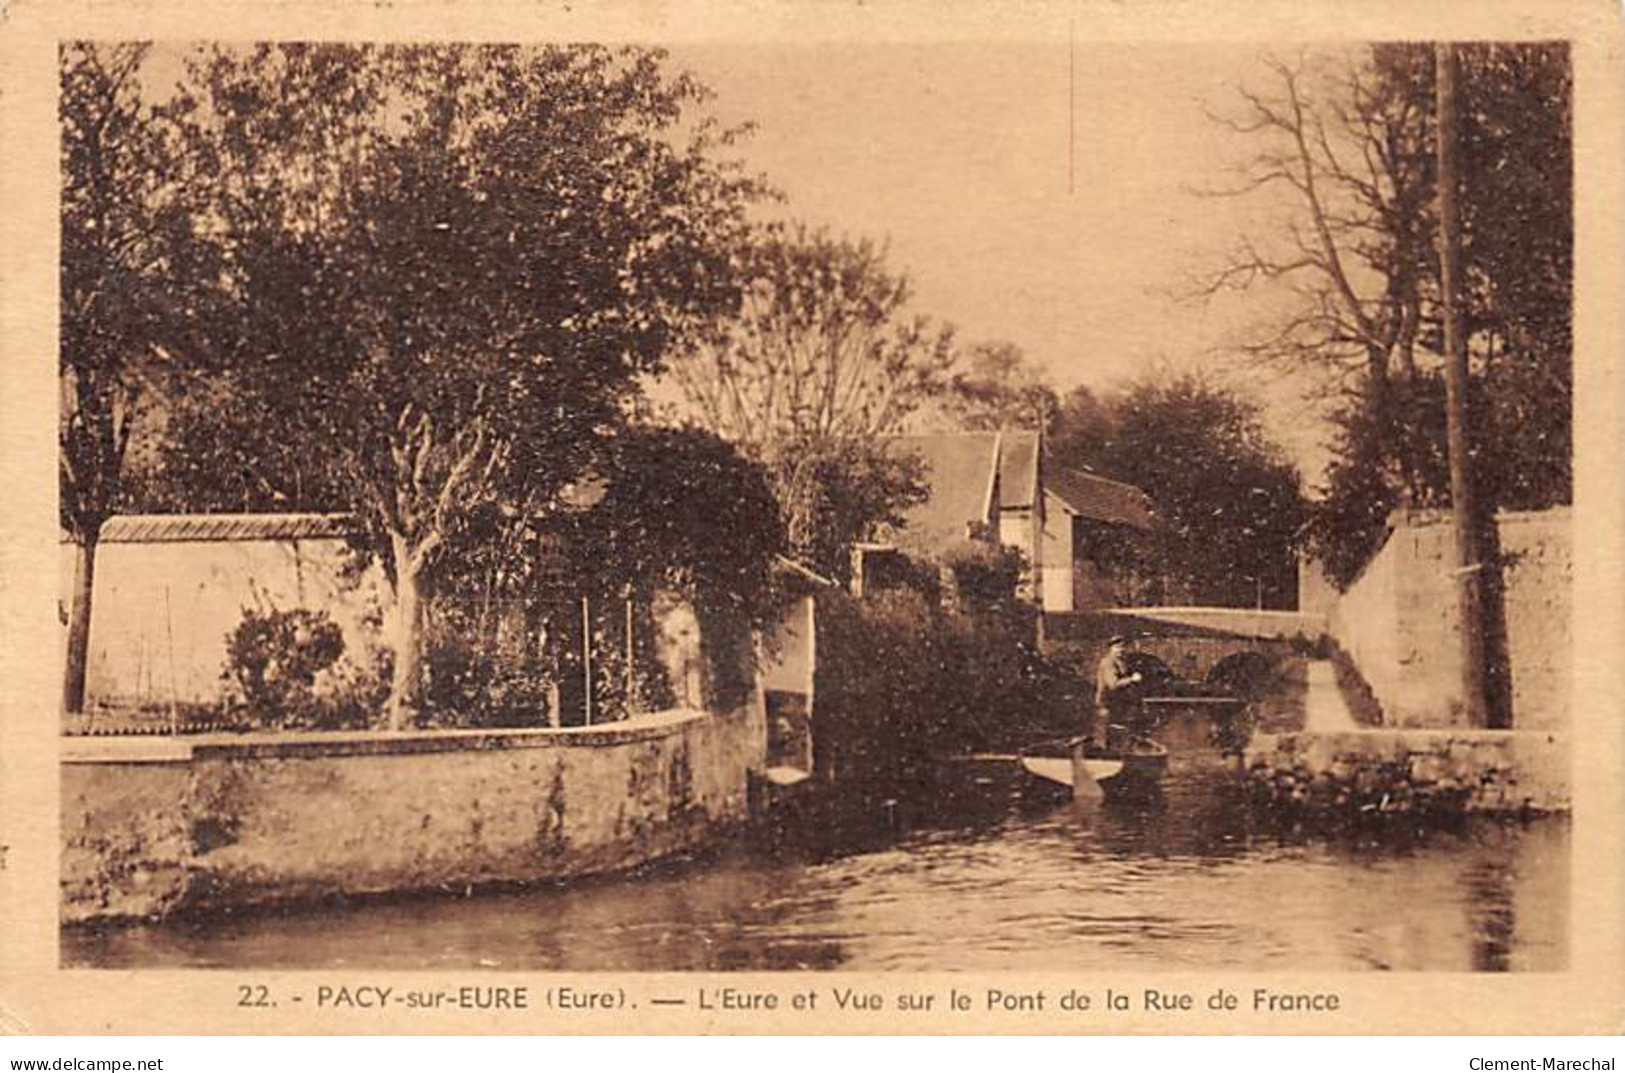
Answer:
(983, 486)
(997, 486)
(1090, 523)
(962, 471)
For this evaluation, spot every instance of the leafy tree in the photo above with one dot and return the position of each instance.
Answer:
(213, 449)
(1228, 503)
(820, 364)
(127, 304)
(834, 492)
(683, 508)
(447, 265)
(1084, 423)
(667, 509)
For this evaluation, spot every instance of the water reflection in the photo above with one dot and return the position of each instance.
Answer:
(991, 877)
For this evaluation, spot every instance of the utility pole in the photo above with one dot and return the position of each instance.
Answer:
(1469, 571)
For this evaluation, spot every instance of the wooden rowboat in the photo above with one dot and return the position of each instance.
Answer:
(1079, 764)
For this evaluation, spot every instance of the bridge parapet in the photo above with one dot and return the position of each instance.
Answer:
(1238, 621)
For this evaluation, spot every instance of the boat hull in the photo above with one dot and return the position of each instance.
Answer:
(1076, 765)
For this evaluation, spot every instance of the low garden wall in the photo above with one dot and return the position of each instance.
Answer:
(156, 826)
(170, 589)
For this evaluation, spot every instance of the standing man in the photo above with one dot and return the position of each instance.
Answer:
(1114, 682)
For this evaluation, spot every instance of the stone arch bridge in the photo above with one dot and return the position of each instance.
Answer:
(1192, 641)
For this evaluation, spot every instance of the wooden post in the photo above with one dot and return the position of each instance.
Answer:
(631, 679)
(586, 658)
(174, 687)
(1469, 571)
(811, 749)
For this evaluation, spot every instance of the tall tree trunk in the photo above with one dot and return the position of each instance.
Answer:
(84, 585)
(406, 687)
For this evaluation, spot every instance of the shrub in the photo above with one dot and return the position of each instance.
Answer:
(478, 676)
(984, 574)
(352, 696)
(892, 569)
(273, 658)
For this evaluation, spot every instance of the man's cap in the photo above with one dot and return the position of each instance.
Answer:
(1116, 639)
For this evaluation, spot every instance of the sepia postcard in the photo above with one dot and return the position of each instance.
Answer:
(811, 518)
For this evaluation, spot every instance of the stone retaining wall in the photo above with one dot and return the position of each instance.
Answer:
(155, 826)
(1412, 771)
(1398, 620)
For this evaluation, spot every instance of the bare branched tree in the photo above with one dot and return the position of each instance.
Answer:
(822, 348)
(1351, 148)
(822, 362)
(997, 387)
(1346, 147)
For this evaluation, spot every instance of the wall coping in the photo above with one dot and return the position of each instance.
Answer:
(1427, 517)
(146, 749)
(1413, 518)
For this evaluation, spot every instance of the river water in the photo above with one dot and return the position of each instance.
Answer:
(987, 879)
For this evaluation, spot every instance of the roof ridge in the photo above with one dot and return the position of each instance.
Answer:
(990, 501)
(1093, 476)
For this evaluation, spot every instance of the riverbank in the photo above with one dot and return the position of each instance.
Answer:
(153, 827)
(1408, 771)
(980, 882)
(1333, 765)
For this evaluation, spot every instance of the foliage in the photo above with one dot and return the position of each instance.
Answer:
(1517, 464)
(1350, 523)
(127, 263)
(820, 363)
(834, 493)
(903, 683)
(1084, 426)
(273, 659)
(477, 677)
(127, 271)
(673, 511)
(213, 450)
(446, 266)
(1228, 504)
(893, 568)
(683, 509)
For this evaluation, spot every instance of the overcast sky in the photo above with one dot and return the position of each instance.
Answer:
(957, 155)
